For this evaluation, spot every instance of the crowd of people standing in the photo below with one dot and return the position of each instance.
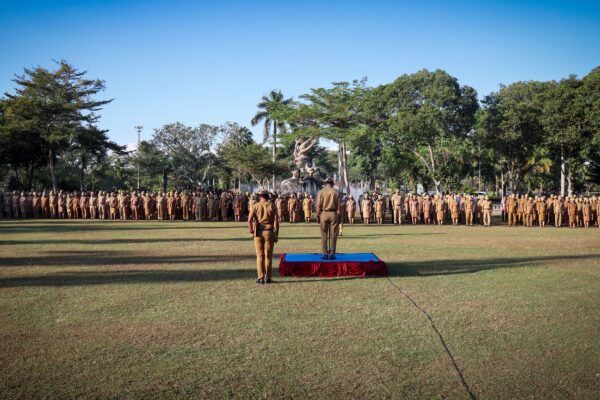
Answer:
(374, 207)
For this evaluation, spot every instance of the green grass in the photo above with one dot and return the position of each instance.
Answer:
(170, 310)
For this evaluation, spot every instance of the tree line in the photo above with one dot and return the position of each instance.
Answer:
(424, 129)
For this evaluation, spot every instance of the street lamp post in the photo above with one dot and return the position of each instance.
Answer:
(139, 131)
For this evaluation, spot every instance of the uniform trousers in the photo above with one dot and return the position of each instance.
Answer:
(329, 231)
(469, 217)
(264, 242)
(397, 215)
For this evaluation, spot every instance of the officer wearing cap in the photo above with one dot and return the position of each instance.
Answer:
(263, 225)
(328, 208)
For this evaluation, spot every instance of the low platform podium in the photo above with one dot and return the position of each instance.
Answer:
(354, 264)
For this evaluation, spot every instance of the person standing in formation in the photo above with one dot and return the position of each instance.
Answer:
(572, 212)
(292, 208)
(263, 225)
(62, 205)
(427, 209)
(379, 209)
(586, 211)
(237, 207)
(559, 208)
(414, 209)
(328, 208)
(440, 209)
(223, 206)
(486, 208)
(307, 207)
(351, 209)
(468, 207)
(366, 208)
(397, 207)
(147, 201)
(113, 206)
(454, 209)
(185, 206)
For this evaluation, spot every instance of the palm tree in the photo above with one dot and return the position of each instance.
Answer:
(267, 106)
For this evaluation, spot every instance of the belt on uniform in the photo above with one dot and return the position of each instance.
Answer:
(329, 210)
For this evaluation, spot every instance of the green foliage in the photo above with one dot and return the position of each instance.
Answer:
(423, 129)
(188, 151)
(510, 122)
(55, 109)
(426, 113)
(254, 160)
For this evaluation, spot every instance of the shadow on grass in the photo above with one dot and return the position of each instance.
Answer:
(451, 267)
(246, 238)
(46, 226)
(134, 276)
(205, 271)
(65, 258)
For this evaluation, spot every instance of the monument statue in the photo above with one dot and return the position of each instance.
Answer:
(306, 175)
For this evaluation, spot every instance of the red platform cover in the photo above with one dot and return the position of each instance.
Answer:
(345, 266)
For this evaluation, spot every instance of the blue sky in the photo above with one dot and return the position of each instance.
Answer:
(210, 62)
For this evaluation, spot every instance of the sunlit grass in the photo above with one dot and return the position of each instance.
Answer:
(159, 310)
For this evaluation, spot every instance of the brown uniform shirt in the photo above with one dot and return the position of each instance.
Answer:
(264, 213)
(328, 199)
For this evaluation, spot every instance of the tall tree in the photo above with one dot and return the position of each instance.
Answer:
(564, 124)
(154, 164)
(425, 113)
(267, 110)
(91, 145)
(331, 113)
(54, 105)
(253, 159)
(234, 138)
(189, 151)
(510, 122)
(21, 151)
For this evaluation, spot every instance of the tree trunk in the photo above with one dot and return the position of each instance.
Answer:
(82, 173)
(436, 182)
(52, 165)
(164, 180)
(30, 176)
(562, 172)
(17, 177)
(345, 165)
(570, 183)
(479, 166)
(274, 149)
(339, 170)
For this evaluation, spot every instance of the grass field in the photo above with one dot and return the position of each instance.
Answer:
(171, 310)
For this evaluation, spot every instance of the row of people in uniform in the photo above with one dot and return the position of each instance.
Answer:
(551, 210)
(200, 206)
(373, 207)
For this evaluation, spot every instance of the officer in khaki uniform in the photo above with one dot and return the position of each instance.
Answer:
(328, 207)
(558, 211)
(511, 205)
(469, 205)
(263, 225)
(307, 206)
(397, 207)
(293, 208)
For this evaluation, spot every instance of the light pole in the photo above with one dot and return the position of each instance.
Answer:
(139, 131)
